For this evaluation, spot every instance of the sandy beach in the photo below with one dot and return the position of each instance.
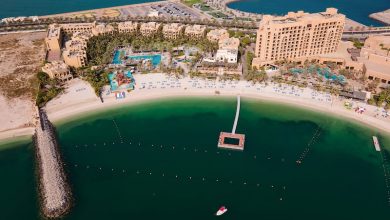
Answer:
(157, 86)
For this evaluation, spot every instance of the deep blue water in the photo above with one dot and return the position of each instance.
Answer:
(12, 8)
(357, 10)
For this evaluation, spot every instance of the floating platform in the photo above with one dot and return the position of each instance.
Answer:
(231, 141)
(376, 143)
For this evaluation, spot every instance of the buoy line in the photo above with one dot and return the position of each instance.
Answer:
(182, 178)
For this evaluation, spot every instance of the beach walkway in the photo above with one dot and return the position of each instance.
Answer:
(237, 114)
(232, 140)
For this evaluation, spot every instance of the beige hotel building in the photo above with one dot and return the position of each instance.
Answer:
(148, 29)
(127, 27)
(172, 31)
(297, 35)
(195, 31)
(217, 35)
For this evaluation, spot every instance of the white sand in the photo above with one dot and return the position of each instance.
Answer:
(17, 117)
(156, 86)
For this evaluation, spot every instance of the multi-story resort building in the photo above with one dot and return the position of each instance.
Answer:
(229, 43)
(101, 29)
(53, 40)
(173, 30)
(74, 58)
(195, 31)
(375, 55)
(71, 28)
(150, 28)
(74, 53)
(297, 35)
(58, 70)
(228, 50)
(217, 35)
(127, 27)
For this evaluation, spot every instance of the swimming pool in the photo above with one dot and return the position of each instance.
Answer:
(117, 57)
(324, 71)
(155, 58)
(126, 81)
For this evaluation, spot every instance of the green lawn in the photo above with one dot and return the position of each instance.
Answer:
(218, 14)
(204, 7)
(191, 2)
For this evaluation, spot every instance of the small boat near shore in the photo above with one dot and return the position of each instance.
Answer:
(221, 211)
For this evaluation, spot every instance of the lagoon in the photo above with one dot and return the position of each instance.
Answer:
(357, 10)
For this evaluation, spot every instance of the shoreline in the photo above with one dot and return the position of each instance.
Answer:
(75, 113)
(69, 106)
(59, 113)
(14, 134)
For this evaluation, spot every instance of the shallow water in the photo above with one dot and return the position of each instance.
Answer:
(123, 164)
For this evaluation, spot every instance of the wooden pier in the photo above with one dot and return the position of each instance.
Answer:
(232, 140)
(225, 137)
(376, 143)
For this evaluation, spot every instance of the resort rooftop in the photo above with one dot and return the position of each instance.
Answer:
(217, 34)
(57, 67)
(173, 27)
(195, 28)
(54, 31)
(229, 43)
(149, 25)
(127, 24)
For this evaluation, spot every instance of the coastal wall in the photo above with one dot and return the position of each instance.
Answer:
(55, 193)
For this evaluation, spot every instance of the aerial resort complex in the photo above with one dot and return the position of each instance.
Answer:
(142, 111)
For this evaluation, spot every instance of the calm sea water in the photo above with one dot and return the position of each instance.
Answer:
(12, 8)
(159, 160)
(357, 10)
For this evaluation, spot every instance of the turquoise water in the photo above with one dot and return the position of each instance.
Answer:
(117, 56)
(12, 8)
(123, 164)
(156, 58)
(324, 72)
(357, 10)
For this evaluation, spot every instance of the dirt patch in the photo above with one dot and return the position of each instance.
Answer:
(21, 57)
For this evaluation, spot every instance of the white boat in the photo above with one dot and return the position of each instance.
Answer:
(221, 211)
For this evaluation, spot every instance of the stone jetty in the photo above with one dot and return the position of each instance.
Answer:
(54, 190)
